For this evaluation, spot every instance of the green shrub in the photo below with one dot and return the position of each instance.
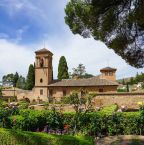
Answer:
(23, 105)
(94, 123)
(109, 109)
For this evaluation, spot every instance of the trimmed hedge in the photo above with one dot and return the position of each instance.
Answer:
(90, 123)
(12, 137)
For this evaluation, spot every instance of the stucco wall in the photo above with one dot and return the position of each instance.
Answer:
(127, 99)
(58, 91)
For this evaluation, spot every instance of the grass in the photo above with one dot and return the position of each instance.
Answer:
(17, 137)
(109, 109)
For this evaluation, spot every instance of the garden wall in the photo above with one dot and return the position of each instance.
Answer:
(127, 99)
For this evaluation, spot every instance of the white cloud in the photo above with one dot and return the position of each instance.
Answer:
(14, 58)
(93, 54)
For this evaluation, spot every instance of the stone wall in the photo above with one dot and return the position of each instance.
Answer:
(127, 99)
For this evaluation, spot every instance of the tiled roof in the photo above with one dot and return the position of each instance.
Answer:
(43, 50)
(108, 69)
(94, 81)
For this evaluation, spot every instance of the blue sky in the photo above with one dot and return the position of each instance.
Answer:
(25, 26)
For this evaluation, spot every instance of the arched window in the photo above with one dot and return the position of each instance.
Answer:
(41, 80)
(41, 62)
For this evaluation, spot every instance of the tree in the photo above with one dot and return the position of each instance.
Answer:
(63, 69)
(123, 82)
(117, 23)
(79, 72)
(30, 82)
(127, 87)
(132, 81)
(1, 92)
(88, 75)
(8, 78)
(77, 100)
(15, 79)
(21, 83)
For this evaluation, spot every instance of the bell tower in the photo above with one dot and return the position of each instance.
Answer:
(43, 68)
(108, 73)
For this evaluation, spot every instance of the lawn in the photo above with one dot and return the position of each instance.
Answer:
(13, 137)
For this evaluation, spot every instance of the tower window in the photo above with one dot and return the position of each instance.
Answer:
(41, 62)
(111, 73)
(41, 80)
(41, 92)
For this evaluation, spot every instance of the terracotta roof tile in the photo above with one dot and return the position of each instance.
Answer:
(108, 69)
(43, 51)
(94, 81)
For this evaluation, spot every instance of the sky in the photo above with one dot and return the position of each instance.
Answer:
(29, 25)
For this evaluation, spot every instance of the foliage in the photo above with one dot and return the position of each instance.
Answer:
(123, 82)
(23, 105)
(87, 75)
(127, 87)
(30, 81)
(138, 78)
(21, 83)
(63, 69)
(1, 91)
(103, 122)
(78, 100)
(15, 79)
(8, 78)
(121, 90)
(79, 72)
(109, 109)
(32, 138)
(119, 24)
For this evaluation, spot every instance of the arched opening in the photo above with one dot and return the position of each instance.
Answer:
(41, 80)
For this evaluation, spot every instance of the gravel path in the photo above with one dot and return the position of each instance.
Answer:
(111, 139)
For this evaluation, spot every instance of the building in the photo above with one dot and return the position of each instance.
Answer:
(47, 89)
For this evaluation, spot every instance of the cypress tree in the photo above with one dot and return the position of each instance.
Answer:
(30, 82)
(63, 69)
(15, 79)
(128, 87)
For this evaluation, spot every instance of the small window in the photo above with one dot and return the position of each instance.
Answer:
(101, 90)
(106, 73)
(111, 73)
(64, 93)
(41, 80)
(41, 92)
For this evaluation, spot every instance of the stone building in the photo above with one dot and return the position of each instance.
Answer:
(47, 89)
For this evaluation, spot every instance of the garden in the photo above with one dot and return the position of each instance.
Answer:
(22, 125)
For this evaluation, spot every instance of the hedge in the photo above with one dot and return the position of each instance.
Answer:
(90, 123)
(13, 137)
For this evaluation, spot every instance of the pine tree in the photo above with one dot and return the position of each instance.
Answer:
(79, 72)
(63, 69)
(30, 82)
(117, 23)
